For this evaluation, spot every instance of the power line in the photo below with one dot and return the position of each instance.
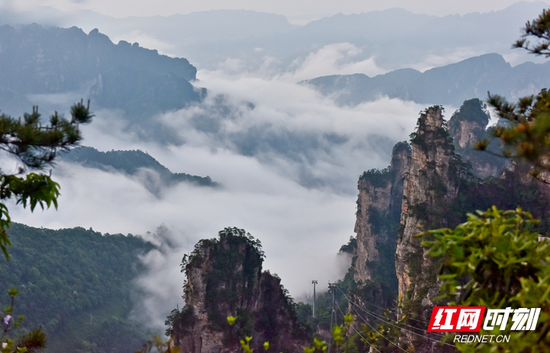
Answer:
(393, 324)
(358, 333)
(374, 330)
(367, 323)
(391, 309)
(383, 319)
(404, 329)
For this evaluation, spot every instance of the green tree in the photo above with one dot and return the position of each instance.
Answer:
(35, 146)
(526, 136)
(496, 260)
(540, 29)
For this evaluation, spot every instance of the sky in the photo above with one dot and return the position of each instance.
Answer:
(297, 12)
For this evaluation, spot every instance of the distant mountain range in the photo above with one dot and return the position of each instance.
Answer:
(43, 61)
(196, 27)
(37, 61)
(427, 41)
(208, 38)
(450, 84)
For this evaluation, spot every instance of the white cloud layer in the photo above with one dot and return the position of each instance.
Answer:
(287, 159)
(337, 58)
(295, 191)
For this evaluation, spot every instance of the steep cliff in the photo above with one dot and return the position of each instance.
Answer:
(377, 221)
(433, 188)
(430, 187)
(225, 278)
(467, 126)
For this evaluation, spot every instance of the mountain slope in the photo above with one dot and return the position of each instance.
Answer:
(39, 61)
(135, 163)
(77, 285)
(450, 84)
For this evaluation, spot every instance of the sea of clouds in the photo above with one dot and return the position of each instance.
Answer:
(287, 160)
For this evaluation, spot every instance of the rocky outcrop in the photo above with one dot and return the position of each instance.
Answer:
(225, 278)
(467, 126)
(377, 221)
(430, 186)
(431, 189)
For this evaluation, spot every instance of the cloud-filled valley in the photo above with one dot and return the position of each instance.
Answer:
(287, 160)
(286, 157)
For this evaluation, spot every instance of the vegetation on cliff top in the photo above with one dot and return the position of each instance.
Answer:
(229, 271)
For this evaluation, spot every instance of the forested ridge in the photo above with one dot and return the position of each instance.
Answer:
(77, 284)
(131, 162)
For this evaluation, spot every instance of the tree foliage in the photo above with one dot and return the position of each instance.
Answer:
(526, 135)
(35, 146)
(33, 341)
(496, 260)
(158, 345)
(79, 285)
(540, 29)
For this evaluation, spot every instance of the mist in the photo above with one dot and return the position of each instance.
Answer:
(217, 38)
(287, 160)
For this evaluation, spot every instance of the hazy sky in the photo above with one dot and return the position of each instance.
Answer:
(296, 12)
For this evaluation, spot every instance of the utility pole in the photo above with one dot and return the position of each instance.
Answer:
(332, 287)
(314, 282)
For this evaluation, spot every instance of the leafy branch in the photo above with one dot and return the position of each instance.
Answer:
(35, 146)
(539, 28)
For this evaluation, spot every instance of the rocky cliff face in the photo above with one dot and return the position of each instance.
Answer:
(467, 126)
(225, 278)
(433, 188)
(430, 185)
(378, 215)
